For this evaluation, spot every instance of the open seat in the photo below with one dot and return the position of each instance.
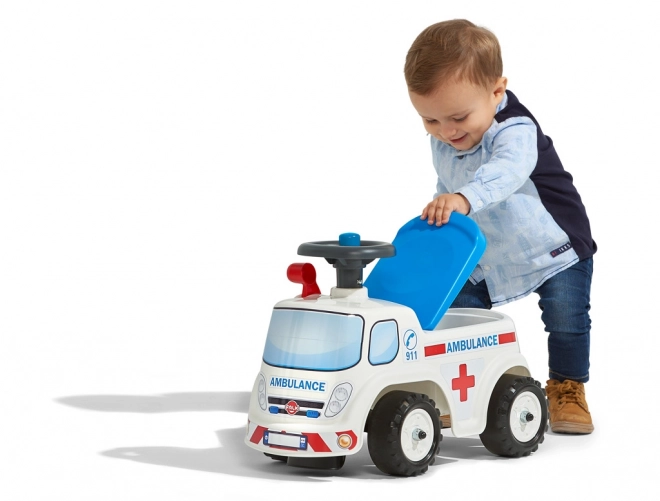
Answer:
(430, 267)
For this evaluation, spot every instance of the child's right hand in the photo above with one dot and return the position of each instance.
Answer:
(441, 207)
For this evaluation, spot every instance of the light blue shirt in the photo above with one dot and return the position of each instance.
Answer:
(520, 233)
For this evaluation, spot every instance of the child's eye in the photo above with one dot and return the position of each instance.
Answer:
(430, 120)
(460, 119)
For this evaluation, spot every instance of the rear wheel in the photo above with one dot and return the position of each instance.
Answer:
(404, 433)
(517, 417)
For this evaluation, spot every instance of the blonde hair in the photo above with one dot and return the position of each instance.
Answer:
(455, 49)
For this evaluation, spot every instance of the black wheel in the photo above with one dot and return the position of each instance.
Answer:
(404, 433)
(517, 417)
(276, 457)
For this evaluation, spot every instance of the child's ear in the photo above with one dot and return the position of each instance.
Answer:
(499, 89)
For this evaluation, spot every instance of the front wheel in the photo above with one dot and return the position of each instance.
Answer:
(404, 433)
(517, 417)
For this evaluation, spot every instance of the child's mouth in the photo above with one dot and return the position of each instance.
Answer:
(457, 141)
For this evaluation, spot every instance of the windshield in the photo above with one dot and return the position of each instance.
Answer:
(313, 340)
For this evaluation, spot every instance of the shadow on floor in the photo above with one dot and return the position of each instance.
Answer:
(232, 456)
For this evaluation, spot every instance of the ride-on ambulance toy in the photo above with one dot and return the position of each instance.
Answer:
(388, 358)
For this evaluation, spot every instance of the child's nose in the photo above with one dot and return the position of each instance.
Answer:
(447, 130)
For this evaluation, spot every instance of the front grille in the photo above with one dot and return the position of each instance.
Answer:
(299, 413)
(302, 403)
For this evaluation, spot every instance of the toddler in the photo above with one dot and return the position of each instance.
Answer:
(495, 165)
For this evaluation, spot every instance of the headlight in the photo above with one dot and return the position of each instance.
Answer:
(338, 399)
(261, 392)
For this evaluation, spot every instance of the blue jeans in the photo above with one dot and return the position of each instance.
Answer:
(564, 303)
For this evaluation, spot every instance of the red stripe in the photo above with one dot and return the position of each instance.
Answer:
(258, 434)
(509, 337)
(316, 443)
(435, 349)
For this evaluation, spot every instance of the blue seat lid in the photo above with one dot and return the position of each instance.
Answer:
(430, 267)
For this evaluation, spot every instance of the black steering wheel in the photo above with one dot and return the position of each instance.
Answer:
(348, 256)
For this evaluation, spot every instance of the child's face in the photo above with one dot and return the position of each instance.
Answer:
(459, 113)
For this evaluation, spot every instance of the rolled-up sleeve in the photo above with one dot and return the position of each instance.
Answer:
(512, 161)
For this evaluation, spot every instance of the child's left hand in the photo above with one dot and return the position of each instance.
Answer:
(441, 207)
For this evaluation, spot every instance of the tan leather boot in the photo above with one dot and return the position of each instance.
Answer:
(445, 420)
(569, 412)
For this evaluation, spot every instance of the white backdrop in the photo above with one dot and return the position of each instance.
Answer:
(160, 163)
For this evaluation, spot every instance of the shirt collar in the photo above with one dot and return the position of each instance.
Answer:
(502, 105)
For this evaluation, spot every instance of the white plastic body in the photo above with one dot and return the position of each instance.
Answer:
(457, 365)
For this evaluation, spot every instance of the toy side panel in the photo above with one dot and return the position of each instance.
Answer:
(470, 409)
(470, 359)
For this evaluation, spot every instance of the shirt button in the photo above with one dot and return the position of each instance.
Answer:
(486, 268)
(480, 203)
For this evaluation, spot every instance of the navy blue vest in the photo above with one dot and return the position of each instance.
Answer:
(555, 186)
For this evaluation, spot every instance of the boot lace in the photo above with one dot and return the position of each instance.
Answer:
(569, 392)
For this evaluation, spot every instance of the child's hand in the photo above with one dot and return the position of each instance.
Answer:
(442, 206)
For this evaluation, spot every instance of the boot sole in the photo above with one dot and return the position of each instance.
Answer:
(571, 428)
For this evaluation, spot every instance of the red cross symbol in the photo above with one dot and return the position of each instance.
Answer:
(462, 382)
